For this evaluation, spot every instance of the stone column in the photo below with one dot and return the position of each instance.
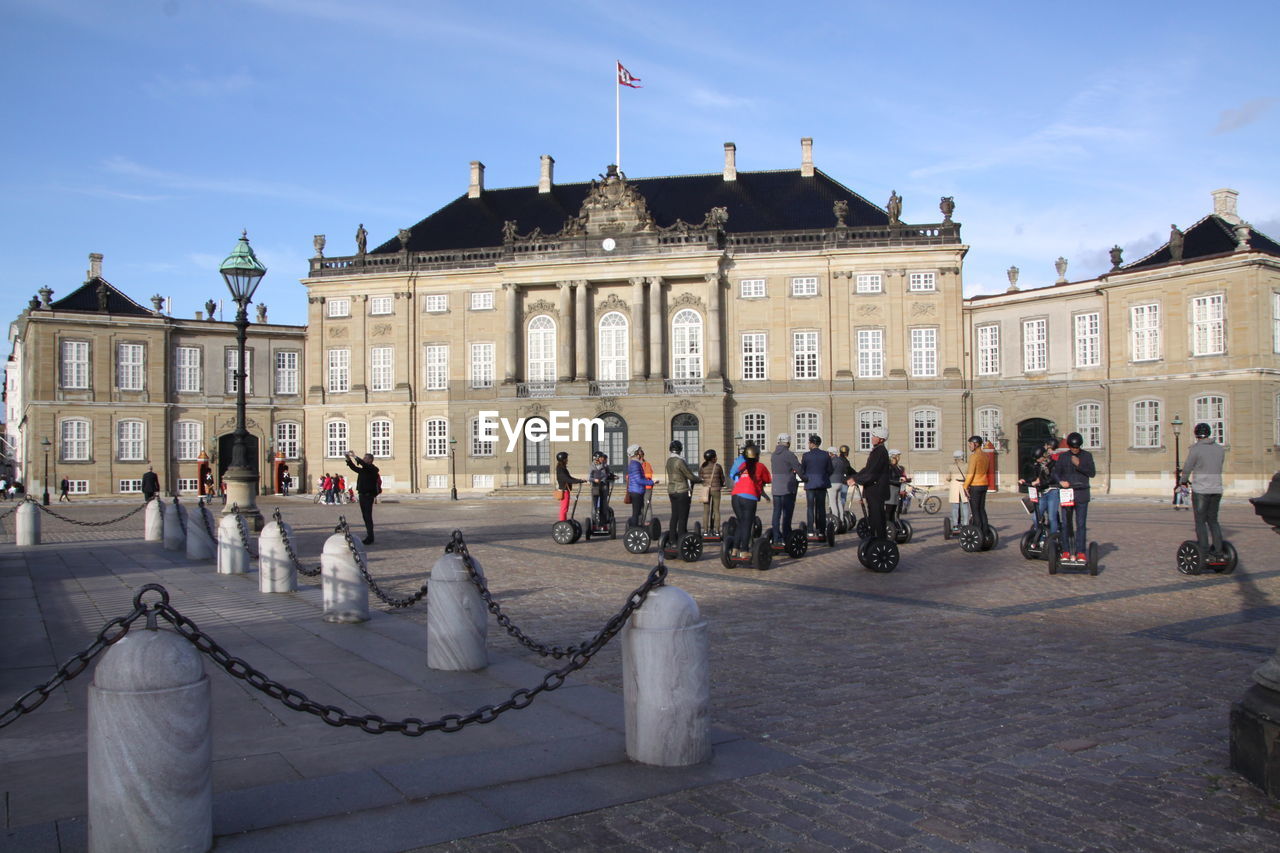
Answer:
(199, 545)
(233, 556)
(457, 619)
(346, 596)
(275, 570)
(150, 747)
(564, 335)
(638, 371)
(153, 524)
(657, 328)
(715, 351)
(580, 327)
(515, 334)
(28, 524)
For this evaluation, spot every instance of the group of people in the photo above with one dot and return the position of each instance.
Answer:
(1060, 477)
(10, 488)
(334, 488)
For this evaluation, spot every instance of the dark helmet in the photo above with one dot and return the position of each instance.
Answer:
(844, 450)
(751, 451)
(1075, 439)
(815, 439)
(751, 442)
(562, 456)
(709, 456)
(1203, 430)
(676, 446)
(975, 439)
(1038, 452)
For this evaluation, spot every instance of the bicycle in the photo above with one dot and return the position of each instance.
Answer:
(929, 503)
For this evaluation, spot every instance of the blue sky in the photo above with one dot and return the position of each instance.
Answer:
(154, 130)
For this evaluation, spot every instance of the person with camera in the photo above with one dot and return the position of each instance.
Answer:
(368, 485)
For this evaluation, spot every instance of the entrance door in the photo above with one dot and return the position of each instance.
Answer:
(684, 429)
(537, 459)
(614, 444)
(1032, 433)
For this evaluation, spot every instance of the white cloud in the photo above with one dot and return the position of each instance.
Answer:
(1247, 113)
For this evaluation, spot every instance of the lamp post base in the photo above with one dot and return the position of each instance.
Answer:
(1255, 738)
(242, 493)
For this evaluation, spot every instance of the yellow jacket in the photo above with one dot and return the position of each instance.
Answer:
(979, 473)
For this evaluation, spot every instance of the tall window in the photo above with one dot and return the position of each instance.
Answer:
(480, 445)
(437, 367)
(922, 281)
(1144, 326)
(870, 353)
(869, 419)
(1089, 424)
(804, 354)
(755, 426)
(869, 283)
(339, 370)
(614, 362)
(187, 369)
(335, 439)
(233, 370)
(75, 364)
(287, 372)
(482, 365)
(805, 286)
(988, 423)
(542, 349)
(924, 429)
(287, 439)
(338, 307)
(753, 356)
(381, 368)
(1208, 325)
(131, 441)
(482, 300)
(1088, 339)
(686, 345)
(129, 368)
(1146, 423)
(1035, 345)
(379, 305)
(924, 352)
(988, 350)
(380, 438)
(752, 288)
(805, 425)
(1212, 410)
(75, 440)
(437, 437)
(188, 436)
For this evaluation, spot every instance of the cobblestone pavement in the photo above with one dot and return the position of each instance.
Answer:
(962, 702)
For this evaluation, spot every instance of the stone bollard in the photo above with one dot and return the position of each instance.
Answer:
(346, 596)
(175, 536)
(275, 570)
(233, 556)
(150, 747)
(457, 619)
(666, 681)
(199, 545)
(28, 524)
(153, 526)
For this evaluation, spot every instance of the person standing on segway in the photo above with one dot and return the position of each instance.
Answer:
(840, 472)
(816, 466)
(746, 494)
(897, 476)
(680, 482)
(1036, 476)
(712, 475)
(600, 477)
(1073, 470)
(564, 483)
(785, 472)
(1203, 469)
(976, 481)
(637, 483)
(956, 494)
(874, 480)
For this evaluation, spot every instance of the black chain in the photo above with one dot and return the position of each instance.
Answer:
(406, 601)
(61, 517)
(243, 528)
(182, 518)
(288, 548)
(459, 547)
(206, 522)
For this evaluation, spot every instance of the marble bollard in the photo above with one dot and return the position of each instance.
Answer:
(457, 619)
(28, 526)
(153, 521)
(175, 537)
(199, 545)
(346, 596)
(275, 570)
(150, 747)
(233, 556)
(666, 681)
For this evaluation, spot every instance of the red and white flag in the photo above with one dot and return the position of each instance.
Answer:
(625, 78)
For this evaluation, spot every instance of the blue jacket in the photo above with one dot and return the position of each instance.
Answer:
(816, 465)
(636, 480)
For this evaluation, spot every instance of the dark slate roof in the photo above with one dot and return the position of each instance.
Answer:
(1211, 236)
(85, 298)
(756, 201)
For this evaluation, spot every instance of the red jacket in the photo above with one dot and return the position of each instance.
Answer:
(752, 487)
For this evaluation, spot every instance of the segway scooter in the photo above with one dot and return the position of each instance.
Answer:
(759, 552)
(1035, 543)
(689, 548)
(1194, 560)
(876, 553)
(795, 545)
(638, 539)
(827, 535)
(603, 524)
(1056, 562)
(568, 532)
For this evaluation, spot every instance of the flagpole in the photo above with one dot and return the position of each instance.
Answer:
(617, 120)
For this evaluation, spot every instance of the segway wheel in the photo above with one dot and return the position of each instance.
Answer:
(762, 554)
(613, 526)
(691, 547)
(850, 520)
(970, 539)
(864, 528)
(841, 527)
(728, 529)
(562, 533)
(905, 532)
(756, 527)
(577, 529)
(655, 529)
(931, 504)
(797, 544)
(1054, 557)
(831, 534)
(947, 531)
(586, 533)
(636, 540)
(725, 560)
(1093, 558)
(1233, 558)
(990, 538)
(881, 555)
(1190, 560)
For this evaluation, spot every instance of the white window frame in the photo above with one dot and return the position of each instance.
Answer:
(74, 365)
(380, 434)
(1275, 322)
(337, 439)
(188, 440)
(188, 485)
(187, 372)
(76, 440)
(289, 439)
(804, 354)
(869, 282)
(381, 306)
(1209, 324)
(922, 282)
(613, 335)
(131, 440)
(755, 427)
(131, 367)
(988, 420)
(752, 288)
(1088, 339)
(338, 307)
(338, 370)
(81, 487)
(1212, 410)
(482, 481)
(869, 419)
(989, 349)
(482, 365)
(437, 481)
(1145, 418)
(287, 371)
(1089, 423)
(233, 369)
(924, 351)
(805, 423)
(482, 300)
(1144, 331)
(436, 437)
(479, 446)
(686, 345)
(870, 353)
(128, 487)
(540, 352)
(804, 286)
(435, 303)
(755, 356)
(924, 429)
(1035, 345)
(435, 367)
(382, 368)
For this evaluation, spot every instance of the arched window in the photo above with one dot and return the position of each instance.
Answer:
(1146, 423)
(614, 443)
(755, 427)
(614, 363)
(75, 440)
(380, 438)
(1089, 424)
(988, 425)
(437, 437)
(1212, 410)
(686, 345)
(335, 435)
(869, 419)
(288, 442)
(542, 349)
(806, 423)
(188, 436)
(684, 429)
(924, 429)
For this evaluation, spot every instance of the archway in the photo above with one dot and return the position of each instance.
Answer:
(1032, 433)
(614, 443)
(684, 429)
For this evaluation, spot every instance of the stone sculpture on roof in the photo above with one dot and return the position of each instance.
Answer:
(894, 208)
(1176, 240)
(841, 210)
(362, 240)
(613, 206)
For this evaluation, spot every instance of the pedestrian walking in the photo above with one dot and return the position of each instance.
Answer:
(368, 485)
(65, 489)
(150, 484)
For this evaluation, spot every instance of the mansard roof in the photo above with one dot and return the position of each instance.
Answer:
(1211, 236)
(780, 200)
(85, 298)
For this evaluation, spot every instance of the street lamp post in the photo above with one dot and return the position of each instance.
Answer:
(1176, 423)
(242, 271)
(737, 443)
(453, 468)
(46, 444)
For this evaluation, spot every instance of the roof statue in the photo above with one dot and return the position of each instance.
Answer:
(1176, 241)
(362, 240)
(1013, 279)
(209, 308)
(613, 206)
(318, 242)
(262, 312)
(1061, 266)
(948, 207)
(46, 296)
(103, 294)
(894, 208)
(841, 209)
(404, 235)
(1117, 257)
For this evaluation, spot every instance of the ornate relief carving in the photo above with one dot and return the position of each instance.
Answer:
(685, 300)
(337, 331)
(381, 329)
(868, 310)
(532, 410)
(609, 404)
(685, 405)
(541, 306)
(612, 302)
(612, 206)
(923, 309)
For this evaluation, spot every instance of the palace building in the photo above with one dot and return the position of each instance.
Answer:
(711, 308)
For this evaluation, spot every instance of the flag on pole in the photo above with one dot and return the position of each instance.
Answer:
(625, 78)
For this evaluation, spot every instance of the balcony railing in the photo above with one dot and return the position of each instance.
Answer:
(682, 386)
(536, 389)
(608, 388)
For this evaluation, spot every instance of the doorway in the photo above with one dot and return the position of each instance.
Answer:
(1032, 433)
(684, 429)
(537, 457)
(614, 443)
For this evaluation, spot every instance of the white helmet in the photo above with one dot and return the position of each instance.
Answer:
(784, 438)
(895, 452)
(880, 433)
(631, 450)
(959, 454)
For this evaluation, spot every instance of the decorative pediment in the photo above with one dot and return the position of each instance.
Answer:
(612, 206)
(714, 220)
(541, 306)
(612, 302)
(685, 300)
(610, 405)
